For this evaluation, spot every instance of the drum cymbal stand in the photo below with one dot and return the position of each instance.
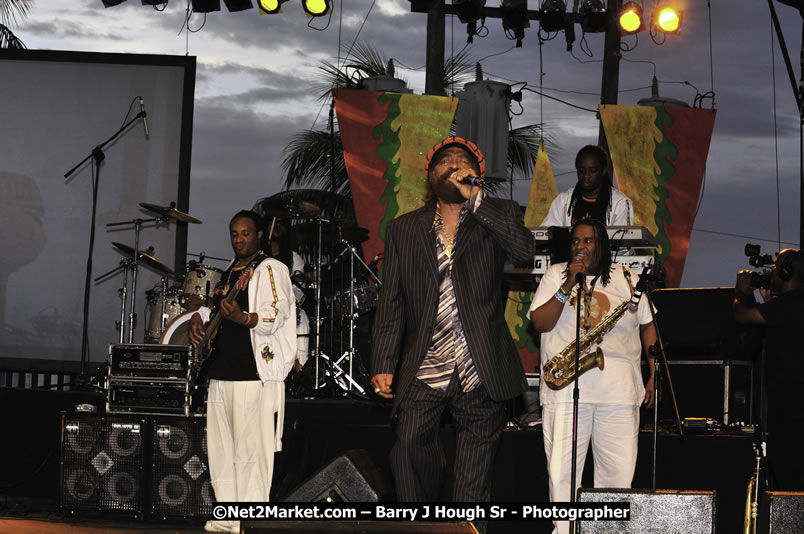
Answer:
(132, 316)
(317, 337)
(350, 354)
(121, 324)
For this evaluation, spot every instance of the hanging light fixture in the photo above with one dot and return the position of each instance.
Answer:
(270, 7)
(666, 18)
(206, 6)
(629, 18)
(552, 15)
(238, 5)
(594, 16)
(317, 8)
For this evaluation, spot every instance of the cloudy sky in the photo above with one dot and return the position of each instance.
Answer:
(253, 90)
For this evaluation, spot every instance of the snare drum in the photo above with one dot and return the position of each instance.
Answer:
(153, 311)
(199, 282)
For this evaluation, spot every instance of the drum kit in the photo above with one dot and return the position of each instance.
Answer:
(175, 296)
(340, 291)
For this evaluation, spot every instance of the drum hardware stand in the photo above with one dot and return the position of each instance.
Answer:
(97, 156)
(121, 324)
(350, 353)
(132, 316)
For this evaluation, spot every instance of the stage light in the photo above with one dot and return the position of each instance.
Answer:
(270, 7)
(205, 6)
(238, 5)
(552, 15)
(469, 12)
(630, 18)
(154, 2)
(594, 16)
(666, 18)
(317, 8)
(515, 19)
(112, 3)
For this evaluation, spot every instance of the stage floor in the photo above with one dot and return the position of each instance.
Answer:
(319, 430)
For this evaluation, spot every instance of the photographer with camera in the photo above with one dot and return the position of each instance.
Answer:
(782, 289)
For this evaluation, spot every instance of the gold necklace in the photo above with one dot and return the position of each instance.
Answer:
(448, 241)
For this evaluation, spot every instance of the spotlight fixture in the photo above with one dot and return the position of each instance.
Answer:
(469, 12)
(270, 7)
(238, 5)
(666, 18)
(112, 3)
(206, 6)
(594, 16)
(317, 8)
(515, 18)
(630, 19)
(552, 15)
(154, 2)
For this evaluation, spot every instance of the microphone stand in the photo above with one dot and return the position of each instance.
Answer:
(576, 393)
(97, 156)
(660, 359)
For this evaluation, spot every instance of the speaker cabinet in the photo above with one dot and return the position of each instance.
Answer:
(653, 511)
(351, 477)
(781, 512)
(180, 483)
(102, 460)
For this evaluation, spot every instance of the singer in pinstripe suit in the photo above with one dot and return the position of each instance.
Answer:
(440, 338)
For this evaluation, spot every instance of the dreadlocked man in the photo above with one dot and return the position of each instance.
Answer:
(608, 409)
(593, 196)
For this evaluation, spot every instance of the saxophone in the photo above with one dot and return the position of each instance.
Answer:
(752, 501)
(559, 371)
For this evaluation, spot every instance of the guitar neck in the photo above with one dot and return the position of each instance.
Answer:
(216, 321)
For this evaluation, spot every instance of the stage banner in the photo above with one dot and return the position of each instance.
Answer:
(659, 156)
(385, 138)
(543, 190)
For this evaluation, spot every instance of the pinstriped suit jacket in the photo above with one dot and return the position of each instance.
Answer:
(406, 312)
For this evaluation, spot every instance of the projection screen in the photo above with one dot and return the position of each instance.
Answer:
(56, 107)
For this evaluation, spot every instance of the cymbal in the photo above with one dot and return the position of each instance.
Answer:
(144, 258)
(308, 233)
(170, 211)
(291, 208)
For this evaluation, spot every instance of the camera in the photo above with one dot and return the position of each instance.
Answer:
(758, 280)
(755, 258)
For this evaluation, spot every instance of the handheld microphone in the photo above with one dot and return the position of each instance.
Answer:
(473, 180)
(640, 287)
(144, 118)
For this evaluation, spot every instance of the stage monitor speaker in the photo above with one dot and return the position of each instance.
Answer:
(781, 512)
(357, 527)
(102, 462)
(653, 511)
(180, 483)
(351, 477)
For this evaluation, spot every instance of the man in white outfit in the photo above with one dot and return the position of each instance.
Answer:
(254, 350)
(609, 399)
(593, 196)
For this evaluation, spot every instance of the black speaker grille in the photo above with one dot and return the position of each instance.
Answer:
(180, 483)
(101, 463)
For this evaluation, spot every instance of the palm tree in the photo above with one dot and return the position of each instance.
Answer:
(9, 11)
(306, 158)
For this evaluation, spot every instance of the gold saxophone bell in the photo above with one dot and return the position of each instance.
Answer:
(559, 371)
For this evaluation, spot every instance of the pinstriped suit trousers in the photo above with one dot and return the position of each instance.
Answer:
(417, 458)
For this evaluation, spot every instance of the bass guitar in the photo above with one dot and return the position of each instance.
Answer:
(204, 349)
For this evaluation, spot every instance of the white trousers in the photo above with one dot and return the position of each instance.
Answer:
(241, 438)
(613, 430)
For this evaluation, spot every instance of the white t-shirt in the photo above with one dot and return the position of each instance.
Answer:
(620, 213)
(620, 380)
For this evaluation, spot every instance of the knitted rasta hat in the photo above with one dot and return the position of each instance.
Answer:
(465, 144)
